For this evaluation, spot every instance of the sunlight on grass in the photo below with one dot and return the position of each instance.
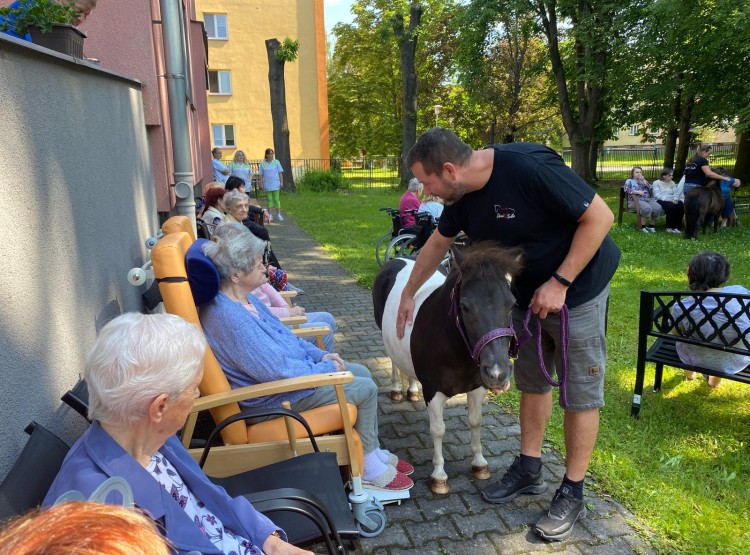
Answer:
(683, 467)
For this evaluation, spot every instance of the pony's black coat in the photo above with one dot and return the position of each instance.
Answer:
(440, 356)
(700, 204)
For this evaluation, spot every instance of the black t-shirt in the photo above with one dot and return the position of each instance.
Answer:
(694, 171)
(533, 200)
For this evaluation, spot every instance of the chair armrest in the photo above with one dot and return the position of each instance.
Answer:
(288, 296)
(316, 331)
(271, 388)
(293, 320)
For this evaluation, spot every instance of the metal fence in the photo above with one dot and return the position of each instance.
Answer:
(616, 162)
(382, 172)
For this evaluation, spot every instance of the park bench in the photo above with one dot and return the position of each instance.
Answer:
(624, 208)
(656, 323)
(741, 205)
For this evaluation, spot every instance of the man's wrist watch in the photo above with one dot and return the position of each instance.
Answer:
(566, 282)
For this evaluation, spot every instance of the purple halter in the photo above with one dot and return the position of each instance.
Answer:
(564, 332)
(487, 337)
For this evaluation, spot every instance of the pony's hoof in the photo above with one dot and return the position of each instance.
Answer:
(397, 396)
(439, 486)
(413, 396)
(481, 472)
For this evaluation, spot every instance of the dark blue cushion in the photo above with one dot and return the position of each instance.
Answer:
(202, 274)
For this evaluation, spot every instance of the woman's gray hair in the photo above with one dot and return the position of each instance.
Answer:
(233, 197)
(227, 231)
(414, 185)
(136, 358)
(236, 252)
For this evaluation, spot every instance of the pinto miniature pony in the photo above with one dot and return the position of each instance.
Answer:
(462, 339)
(701, 203)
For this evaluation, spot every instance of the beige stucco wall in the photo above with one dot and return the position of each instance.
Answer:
(250, 23)
(78, 204)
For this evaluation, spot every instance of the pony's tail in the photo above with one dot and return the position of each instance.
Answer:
(692, 209)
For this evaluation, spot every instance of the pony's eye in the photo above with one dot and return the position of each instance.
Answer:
(465, 307)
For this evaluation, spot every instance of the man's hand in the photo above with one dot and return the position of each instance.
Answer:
(405, 314)
(337, 360)
(548, 298)
(297, 311)
(276, 546)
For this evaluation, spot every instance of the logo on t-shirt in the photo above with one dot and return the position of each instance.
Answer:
(504, 213)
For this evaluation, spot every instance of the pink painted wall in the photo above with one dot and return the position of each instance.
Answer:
(122, 35)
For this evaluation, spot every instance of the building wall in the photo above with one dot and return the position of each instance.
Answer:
(126, 37)
(248, 108)
(79, 202)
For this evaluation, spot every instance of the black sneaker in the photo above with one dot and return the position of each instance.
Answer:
(514, 483)
(563, 513)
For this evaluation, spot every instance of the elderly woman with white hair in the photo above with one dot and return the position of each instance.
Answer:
(143, 374)
(278, 305)
(408, 206)
(253, 346)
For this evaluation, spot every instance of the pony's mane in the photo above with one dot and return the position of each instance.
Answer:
(488, 260)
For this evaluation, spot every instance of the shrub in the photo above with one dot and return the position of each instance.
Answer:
(319, 181)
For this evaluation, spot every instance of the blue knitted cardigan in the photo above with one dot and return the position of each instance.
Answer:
(260, 349)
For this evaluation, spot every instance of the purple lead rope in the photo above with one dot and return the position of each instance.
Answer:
(564, 332)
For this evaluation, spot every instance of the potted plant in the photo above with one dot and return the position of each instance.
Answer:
(48, 23)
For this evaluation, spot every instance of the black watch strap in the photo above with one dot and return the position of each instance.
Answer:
(564, 281)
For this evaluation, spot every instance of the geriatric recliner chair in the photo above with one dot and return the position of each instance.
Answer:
(249, 446)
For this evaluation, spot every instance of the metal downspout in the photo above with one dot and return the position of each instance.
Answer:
(175, 75)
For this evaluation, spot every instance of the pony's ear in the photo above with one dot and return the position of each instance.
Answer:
(457, 256)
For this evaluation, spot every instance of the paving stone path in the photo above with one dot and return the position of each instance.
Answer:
(460, 522)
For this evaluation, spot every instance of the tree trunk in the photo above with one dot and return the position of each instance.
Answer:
(670, 143)
(582, 125)
(278, 113)
(580, 162)
(407, 45)
(683, 147)
(593, 157)
(742, 166)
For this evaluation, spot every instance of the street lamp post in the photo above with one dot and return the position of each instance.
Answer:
(437, 108)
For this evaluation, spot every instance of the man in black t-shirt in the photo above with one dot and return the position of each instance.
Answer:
(524, 195)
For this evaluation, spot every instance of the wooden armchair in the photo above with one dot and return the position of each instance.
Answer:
(624, 208)
(249, 446)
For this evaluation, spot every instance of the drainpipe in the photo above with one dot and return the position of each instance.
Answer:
(175, 75)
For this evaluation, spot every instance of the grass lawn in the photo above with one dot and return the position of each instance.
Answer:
(683, 468)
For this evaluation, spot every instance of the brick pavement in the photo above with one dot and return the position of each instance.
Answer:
(460, 522)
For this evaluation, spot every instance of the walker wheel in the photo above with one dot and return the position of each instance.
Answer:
(378, 518)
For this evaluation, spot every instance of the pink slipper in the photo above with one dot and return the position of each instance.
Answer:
(401, 465)
(390, 480)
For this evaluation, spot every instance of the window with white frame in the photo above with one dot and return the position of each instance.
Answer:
(216, 25)
(633, 130)
(223, 135)
(220, 81)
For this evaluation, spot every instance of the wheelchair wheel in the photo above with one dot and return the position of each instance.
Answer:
(403, 245)
(381, 246)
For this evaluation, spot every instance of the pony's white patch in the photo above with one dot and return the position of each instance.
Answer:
(399, 349)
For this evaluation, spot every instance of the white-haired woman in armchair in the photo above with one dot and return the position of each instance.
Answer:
(143, 374)
(253, 346)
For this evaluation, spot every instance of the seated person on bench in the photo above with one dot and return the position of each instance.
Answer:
(253, 346)
(278, 306)
(143, 374)
(707, 271)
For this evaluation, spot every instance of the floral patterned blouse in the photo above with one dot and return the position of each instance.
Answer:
(166, 474)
